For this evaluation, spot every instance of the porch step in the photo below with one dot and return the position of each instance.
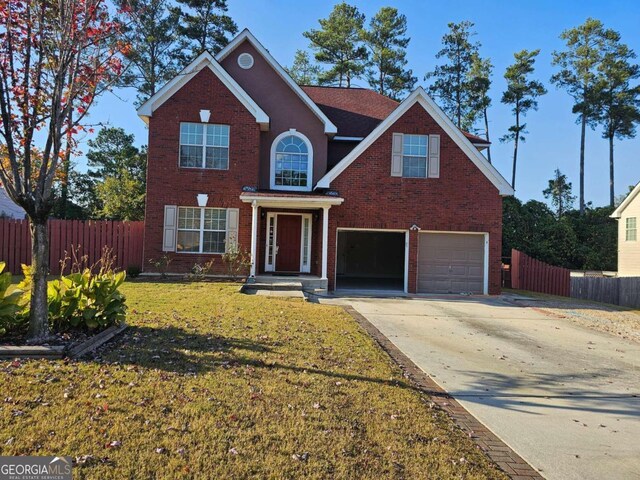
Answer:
(276, 285)
(300, 283)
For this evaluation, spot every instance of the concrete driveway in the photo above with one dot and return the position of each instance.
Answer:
(565, 398)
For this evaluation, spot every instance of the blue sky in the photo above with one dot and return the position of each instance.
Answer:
(503, 28)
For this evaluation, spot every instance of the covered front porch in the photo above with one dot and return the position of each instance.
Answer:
(290, 236)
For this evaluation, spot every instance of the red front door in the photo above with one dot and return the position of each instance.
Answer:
(288, 237)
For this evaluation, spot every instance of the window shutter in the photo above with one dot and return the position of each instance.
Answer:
(233, 216)
(169, 229)
(434, 156)
(396, 155)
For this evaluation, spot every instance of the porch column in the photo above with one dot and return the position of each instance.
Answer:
(254, 238)
(325, 240)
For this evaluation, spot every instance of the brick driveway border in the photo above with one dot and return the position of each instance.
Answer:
(498, 451)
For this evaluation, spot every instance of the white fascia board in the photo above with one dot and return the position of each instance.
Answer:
(202, 61)
(617, 213)
(291, 202)
(329, 127)
(421, 97)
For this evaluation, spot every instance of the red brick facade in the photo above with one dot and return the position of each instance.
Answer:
(462, 199)
(169, 184)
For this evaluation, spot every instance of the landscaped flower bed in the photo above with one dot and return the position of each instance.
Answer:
(80, 304)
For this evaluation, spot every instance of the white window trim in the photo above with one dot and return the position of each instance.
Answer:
(201, 230)
(204, 146)
(272, 177)
(629, 230)
(304, 267)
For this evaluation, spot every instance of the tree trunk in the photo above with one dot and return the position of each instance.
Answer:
(515, 160)
(612, 193)
(486, 134)
(39, 316)
(583, 132)
(515, 150)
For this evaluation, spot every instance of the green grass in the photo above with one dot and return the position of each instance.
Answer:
(210, 383)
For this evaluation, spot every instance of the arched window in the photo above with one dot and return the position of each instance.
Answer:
(291, 162)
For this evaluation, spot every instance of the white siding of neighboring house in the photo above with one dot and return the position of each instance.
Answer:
(8, 208)
(629, 252)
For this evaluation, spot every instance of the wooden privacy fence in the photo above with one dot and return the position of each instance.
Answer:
(624, 291)
(530, 274)
(124, 238)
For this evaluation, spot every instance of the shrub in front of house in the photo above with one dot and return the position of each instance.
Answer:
(85, 299)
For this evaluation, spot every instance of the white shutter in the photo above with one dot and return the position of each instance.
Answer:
(434, 156)
(396, 155)
(233, 218)
(169, 228)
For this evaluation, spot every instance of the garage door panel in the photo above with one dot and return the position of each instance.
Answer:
(450, 263)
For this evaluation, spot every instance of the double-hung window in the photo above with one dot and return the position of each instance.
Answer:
(204, 146)
(631, 231)
(201, 230)
(414, 156)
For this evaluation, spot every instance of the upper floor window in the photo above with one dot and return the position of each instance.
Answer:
(414, 156)
(204, 146)
(631, 233)
(291, 162)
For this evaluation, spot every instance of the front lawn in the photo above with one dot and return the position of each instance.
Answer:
(210, 383)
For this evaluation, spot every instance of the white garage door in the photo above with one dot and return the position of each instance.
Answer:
(450, 263)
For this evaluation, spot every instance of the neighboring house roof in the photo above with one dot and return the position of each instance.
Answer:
(617, 213)
(421, 97)
(329, 127)
(8, 207)
(203, 60)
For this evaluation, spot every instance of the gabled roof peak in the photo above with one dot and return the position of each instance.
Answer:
(419, 96)
(204, 60)
(625, 203)
(329, 127)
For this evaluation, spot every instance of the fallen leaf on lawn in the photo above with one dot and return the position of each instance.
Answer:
(233, 451)
(160, 450)
(303, 457)
(114, 444)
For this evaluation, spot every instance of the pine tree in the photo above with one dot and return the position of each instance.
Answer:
(204, 26)
(579, 75)
(559, 191)
(338, 44)
(522, 94)
(303, 70)
(479, 85)
(451, 80)
(618, 101)
(387, 43)
(155, 50)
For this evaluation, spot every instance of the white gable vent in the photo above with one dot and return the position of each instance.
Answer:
(245, 60)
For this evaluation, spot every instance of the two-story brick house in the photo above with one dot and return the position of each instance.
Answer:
(342, 184)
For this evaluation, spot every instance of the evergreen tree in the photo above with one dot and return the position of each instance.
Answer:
(580, 70)
(522, 94)
(155, 49)
(338, 43)
(479, 85)
(559, 191)
(619, 102)
(451, 81)
(204, 26)
(387, 42)
(303, 70)
(114, 186)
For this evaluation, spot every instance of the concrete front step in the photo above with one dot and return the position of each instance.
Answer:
(306, 283)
